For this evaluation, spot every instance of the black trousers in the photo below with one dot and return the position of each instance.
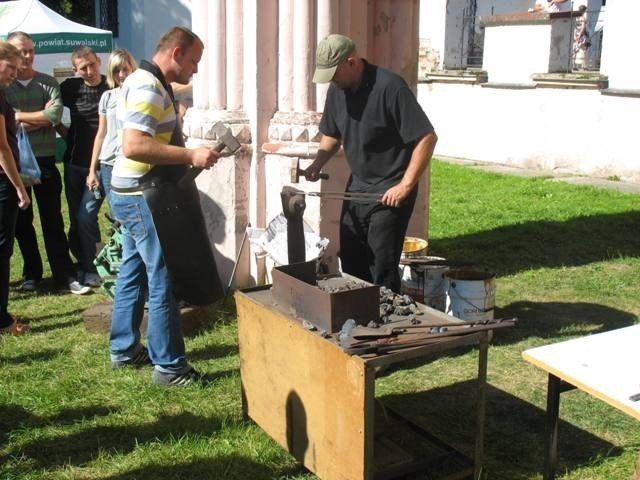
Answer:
(8, 214)
(48, 195)
(371, 238)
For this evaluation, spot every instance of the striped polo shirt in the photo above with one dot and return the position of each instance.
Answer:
(144, 105)
(32, 98)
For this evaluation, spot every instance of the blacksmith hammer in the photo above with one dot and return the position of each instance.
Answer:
(225, 139)
(296, 172)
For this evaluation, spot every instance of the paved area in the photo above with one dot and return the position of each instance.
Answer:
(620, 186)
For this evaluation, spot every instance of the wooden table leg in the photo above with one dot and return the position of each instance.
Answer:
(553, 410)
(482, 396)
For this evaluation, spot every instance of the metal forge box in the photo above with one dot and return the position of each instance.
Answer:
(296, 288)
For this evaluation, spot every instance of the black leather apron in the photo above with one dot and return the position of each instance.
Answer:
(177, 216)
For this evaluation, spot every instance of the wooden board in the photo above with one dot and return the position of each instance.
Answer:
(305, 392)
(606, 365)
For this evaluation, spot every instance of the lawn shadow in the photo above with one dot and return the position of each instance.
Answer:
(228, 467)
(514, 430)
(209, 378)
(558, 320)
(37, 328)
(212, 352)
(25, 358)
(13, 417)
(86, 445)
(578, 241)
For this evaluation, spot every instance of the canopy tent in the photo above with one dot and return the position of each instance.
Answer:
(54, 36)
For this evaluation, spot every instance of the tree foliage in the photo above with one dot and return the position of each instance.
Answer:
(81, 11)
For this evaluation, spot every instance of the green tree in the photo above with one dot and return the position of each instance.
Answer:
(81, 11)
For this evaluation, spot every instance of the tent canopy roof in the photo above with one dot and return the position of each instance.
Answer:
(52, 33)
(33, 17)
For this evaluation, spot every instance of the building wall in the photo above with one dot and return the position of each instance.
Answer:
(576, 131)
(618, 61)
(142, 22)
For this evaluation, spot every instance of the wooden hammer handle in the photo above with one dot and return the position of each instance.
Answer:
(323, 176)
(193, 172)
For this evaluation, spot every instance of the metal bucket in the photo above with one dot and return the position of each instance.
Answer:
(425, 283)
(435, 291)
(412, 281)
(471, 294)
(414, 247)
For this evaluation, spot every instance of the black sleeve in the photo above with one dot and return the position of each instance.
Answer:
(411, 121)
(328, 125)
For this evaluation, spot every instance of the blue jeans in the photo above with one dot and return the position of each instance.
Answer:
(143, 270)
(84, 232)
(88, 228)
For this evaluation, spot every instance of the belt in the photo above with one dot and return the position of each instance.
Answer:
(136, 189)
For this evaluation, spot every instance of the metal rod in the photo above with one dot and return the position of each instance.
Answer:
(362, 197)
(235, 265)
(345, 194)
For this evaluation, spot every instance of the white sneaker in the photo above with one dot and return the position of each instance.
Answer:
(28, 285)
(92, 279)
(76, 288)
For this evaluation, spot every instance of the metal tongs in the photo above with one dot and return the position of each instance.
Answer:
(360, 197)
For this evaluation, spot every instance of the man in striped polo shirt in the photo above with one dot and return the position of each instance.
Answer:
(150, 135)
(36, 98)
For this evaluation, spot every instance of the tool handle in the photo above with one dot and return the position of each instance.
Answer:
(323, 176)
(193, 172)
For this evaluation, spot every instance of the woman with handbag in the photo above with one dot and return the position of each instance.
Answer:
(13, 194)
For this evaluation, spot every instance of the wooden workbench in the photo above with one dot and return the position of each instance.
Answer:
(604, 365)
(319, 403)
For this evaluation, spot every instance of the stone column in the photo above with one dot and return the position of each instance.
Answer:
(285, 53)
(399, 25)
(256, 78)
(215, 53)
(303, 59)
(219, 96)
(327, 23)
(235, 58)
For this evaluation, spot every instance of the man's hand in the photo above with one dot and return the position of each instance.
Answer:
(312, 172)
(203, 157)
(395, 195)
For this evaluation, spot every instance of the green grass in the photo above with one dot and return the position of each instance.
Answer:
(567, 259)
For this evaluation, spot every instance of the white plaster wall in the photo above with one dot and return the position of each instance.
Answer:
(513, 52)
(499, 7)
(432, 27)
(579, 131)
(224, 212)
(142, 23)
(618, 59)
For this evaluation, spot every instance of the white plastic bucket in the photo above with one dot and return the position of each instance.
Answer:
(412, 281)
(435, 291)
(471, 294)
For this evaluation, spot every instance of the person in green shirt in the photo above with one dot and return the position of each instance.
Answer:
(36, 98)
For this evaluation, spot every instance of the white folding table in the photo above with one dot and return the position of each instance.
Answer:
(605, 365)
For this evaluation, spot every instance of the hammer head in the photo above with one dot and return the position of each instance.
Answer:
(295, 171)
(225, 137)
